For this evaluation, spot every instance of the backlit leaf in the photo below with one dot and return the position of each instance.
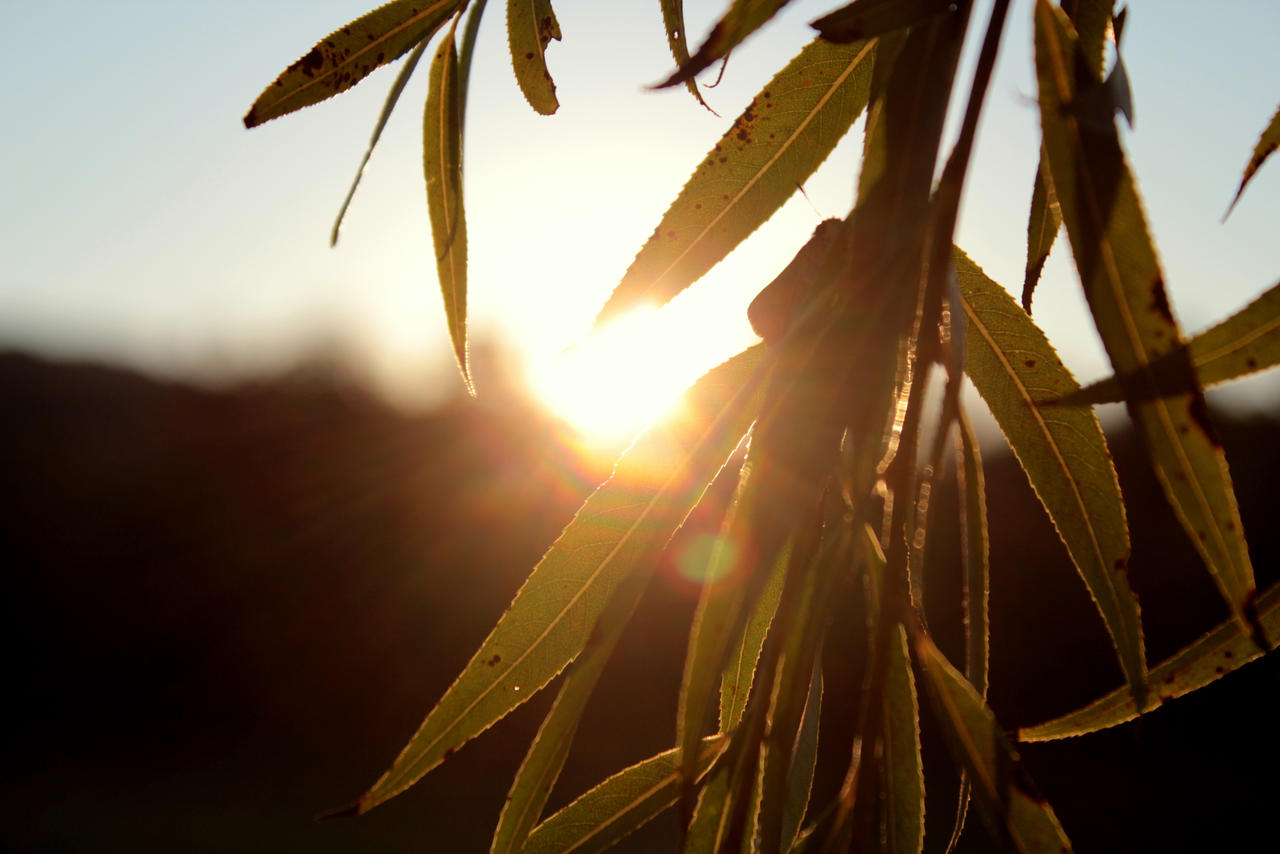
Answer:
(742, 18)
(1125, 289)
(779, 140)
(619, 805)
(1014, 811)
(1061, 449)
(735, 685)
(1211, 657)
(346, 56)
(531, 25)
(393, 97)
(1246, 342)
(903, 769)
(804, 761)
(678, 42)
(1267, 143)
(624, 524)
(442, 166)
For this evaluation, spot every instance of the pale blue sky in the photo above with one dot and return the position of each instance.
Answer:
(143, 226)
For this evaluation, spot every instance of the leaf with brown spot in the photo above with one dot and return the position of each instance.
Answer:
(1267, 143)
(531, 25)
(1226, 648)
(442, 167)
(1062, 450)
(741, 19)
(1124, 287)
(623, 525)
(864, 19)
(779, 140)
(1243, 344)
(346, 56)
(1014, 811)
(678, 42)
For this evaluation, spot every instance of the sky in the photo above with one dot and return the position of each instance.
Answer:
(143, 226)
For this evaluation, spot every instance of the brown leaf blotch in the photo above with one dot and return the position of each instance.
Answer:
(1160, 300)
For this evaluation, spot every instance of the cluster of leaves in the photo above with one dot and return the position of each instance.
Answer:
(828, 517)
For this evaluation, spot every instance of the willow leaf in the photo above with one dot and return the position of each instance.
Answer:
(1061, 449)
(779, 140)
(904, 774)
(624, 524)
(531, 25)
(1226, 648)
(741, 19)
(678, 42)
(735, 686)
(1246, 342)
(865, 19)
(619, 805)
(442, 166)
(393, 97)
(345, 57)
(1014, 811)
(975, 554)
(1091, 18)
(1267, 143)
(804, 761)
(1125, 291)
(467, 52)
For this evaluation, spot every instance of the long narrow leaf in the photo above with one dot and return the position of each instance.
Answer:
(804, 762)
(1208, 659)
(742, 18)
(442, 167)
(1014, 811)
(779, 140)
(1061, 449)
(531, 25)
(1125, 290)
(865, 19)
(402, 79)
(622, 525)
(903, 768)
(619, 805)
(1267, 143)
(346, 56)
(678, 41)
(1091, 18)
(1245, 343)
(735, 685)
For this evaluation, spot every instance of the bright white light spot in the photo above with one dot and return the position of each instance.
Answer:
(614, 383)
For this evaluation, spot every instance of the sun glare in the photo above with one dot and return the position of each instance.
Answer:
(615, 382)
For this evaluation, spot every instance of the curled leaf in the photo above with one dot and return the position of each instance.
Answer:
(531, 25)
(678, 42)
(742, 18)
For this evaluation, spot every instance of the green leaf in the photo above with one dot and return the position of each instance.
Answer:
(1091, 18)
(1246, 342)
(442, 166)
(345, 57)
(619, 805)
(735, 685)
(865, 19)
(974, 554)
(1208, 659)
(742, 18)
(622, 526)
(779, 140)
(1125, 291)
(466, 52)
(677, 41)
(393, 97)
(1014, 811)
(1043, 225)
(1267, 143)
(903, 768)
(1061, 449)
(804, 761)
(531, 25)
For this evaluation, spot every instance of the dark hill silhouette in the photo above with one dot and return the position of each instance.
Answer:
(225, 612)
